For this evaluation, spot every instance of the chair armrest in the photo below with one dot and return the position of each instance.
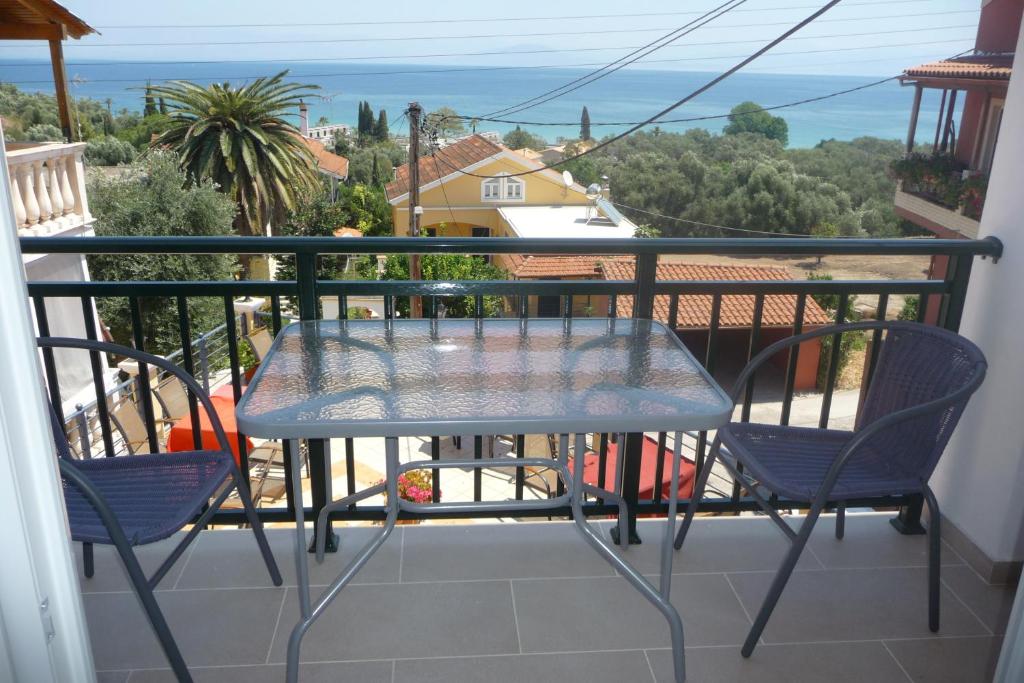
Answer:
(862, 436)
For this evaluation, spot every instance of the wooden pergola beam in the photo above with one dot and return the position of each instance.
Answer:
(60, 82)
(9, 31)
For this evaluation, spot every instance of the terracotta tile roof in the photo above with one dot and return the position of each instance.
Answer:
(531, 266)
(461, 154)
(328, 162)
(737, 310)
(985, 67)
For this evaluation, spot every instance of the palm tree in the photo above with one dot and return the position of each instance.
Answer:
(239, 138)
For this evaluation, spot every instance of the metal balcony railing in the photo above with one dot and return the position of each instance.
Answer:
(307, 292)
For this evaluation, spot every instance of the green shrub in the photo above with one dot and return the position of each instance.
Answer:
(108, 151)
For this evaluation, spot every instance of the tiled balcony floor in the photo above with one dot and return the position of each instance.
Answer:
(532, 602)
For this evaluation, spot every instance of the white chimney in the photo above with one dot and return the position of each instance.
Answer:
(303, 119)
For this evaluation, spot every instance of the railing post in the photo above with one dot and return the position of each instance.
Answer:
(204, 363)
(631, 451)
(319, 449)
(82, 425)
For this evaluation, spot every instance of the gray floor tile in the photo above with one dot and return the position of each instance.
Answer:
(991, 603)
(110, 574)
(832, 662)
(406, 620)
(948, 660)
(724, 544)
(112, 676)
(564, 615)
(870, 541)
(595, 667)
(498, 551)
(211, 627)
(231, 559)
(853, 604)
(361, 672)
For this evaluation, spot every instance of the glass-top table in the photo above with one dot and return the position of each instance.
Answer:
(394, 378)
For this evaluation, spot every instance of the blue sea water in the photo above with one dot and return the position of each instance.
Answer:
(628, 95)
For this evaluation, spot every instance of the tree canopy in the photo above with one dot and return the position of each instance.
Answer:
(238, 137)
(519, 138)
(585, 124)
(154, 199)
(441, 267)
(749, 117)
(445, 122)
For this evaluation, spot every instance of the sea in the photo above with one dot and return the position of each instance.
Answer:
(625, 96)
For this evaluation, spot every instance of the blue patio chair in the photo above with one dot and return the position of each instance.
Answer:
(138, 499)
(922, 380)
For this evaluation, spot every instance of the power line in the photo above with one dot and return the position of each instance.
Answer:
(621, 62)
(692, 118)
(115, 62)
(334, 74)
(707, 86)
(711, 225)
(291, 41)
(395, 22)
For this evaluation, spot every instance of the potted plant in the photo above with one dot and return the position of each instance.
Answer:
(415, 487)
(972, 195)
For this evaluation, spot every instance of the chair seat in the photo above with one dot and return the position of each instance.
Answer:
(152, 496)
(793, 462)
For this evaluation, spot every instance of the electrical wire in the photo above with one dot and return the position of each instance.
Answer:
(707, 86)
(621, 62)
(394, 22)
(690, 119)
(336, 74)
(417, 38)
(710, 225)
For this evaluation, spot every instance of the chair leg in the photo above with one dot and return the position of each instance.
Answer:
(257, 528)
(87, 560)
(698, 493)
(780, 580)
(934, 558)
(153, 611)
(840, 520)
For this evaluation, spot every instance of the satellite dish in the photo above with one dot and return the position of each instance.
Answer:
(567, 178)
(593, 191)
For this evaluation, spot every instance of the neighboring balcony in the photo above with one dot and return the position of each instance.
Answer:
(940, 193)
(48, 188)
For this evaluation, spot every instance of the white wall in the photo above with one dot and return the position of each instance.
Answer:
(37, 565)
(980, 479)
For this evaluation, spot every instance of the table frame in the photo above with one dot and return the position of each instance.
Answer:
(575, 488)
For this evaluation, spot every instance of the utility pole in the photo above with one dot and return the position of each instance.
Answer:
(415, 111)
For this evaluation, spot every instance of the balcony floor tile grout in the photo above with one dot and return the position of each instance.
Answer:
(967, 607)
(896, 659)
(277, 624)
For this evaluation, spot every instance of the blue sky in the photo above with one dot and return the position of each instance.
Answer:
(887, 36)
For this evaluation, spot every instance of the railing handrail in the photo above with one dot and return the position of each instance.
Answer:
(988, 246)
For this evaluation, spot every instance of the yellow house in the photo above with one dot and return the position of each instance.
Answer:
(470, 189)
(457, 204)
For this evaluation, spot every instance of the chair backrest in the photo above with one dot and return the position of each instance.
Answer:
(131, 425)
(917, 364)
(260, 341)
(172, 397)
(181, 376)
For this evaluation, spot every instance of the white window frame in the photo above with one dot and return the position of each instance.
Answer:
(504, 185)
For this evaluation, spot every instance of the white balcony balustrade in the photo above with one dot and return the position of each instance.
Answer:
(48, 187)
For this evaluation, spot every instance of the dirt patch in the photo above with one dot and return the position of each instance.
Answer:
(850, 377)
